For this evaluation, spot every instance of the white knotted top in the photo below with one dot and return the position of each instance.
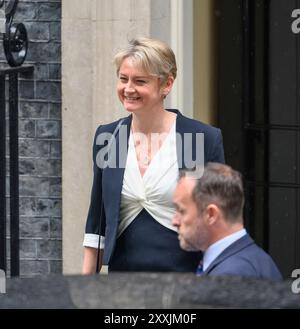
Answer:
(154, 191)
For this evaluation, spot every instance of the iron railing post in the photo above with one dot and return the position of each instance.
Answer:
(13, 113)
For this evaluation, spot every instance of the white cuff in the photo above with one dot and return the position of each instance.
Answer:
(92, 240)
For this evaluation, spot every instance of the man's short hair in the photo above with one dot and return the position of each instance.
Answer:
(221, 185)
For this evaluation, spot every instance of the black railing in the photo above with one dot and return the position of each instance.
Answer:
(9, 77)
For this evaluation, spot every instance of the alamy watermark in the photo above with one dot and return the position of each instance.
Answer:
(188, 148)
(296, 283)
(296, 23)
(2, 282)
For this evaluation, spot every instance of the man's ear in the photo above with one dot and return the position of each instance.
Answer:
(212, 214)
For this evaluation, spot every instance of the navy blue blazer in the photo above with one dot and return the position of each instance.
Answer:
(244, 258)
(110, 180)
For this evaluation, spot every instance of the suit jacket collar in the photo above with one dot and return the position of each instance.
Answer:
(237, 246)
(183, 125)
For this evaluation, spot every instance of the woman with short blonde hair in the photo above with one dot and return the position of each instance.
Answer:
(131, 209)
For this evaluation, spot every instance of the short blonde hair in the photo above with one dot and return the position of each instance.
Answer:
(155, 56)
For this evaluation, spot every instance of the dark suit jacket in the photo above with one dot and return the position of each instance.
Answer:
(110, 180)
(244, 258)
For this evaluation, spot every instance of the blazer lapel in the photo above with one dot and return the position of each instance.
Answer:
(179, 139)
(180, 130)
(112, 178)
(185, 156)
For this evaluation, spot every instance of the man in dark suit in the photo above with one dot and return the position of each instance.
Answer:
(209, 217)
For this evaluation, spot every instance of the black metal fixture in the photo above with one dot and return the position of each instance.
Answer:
(9, 90)
(15, 44)
(15, 40)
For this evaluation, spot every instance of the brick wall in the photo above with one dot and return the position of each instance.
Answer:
(40, 140)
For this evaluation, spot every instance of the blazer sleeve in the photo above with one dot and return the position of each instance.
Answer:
(217, 154)
(91, 238)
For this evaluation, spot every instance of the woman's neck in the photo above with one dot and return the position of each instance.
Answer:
(158, 122)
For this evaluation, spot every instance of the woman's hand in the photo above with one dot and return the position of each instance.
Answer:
(90, 260)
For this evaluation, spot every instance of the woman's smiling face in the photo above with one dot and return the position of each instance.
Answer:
(137, 89)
